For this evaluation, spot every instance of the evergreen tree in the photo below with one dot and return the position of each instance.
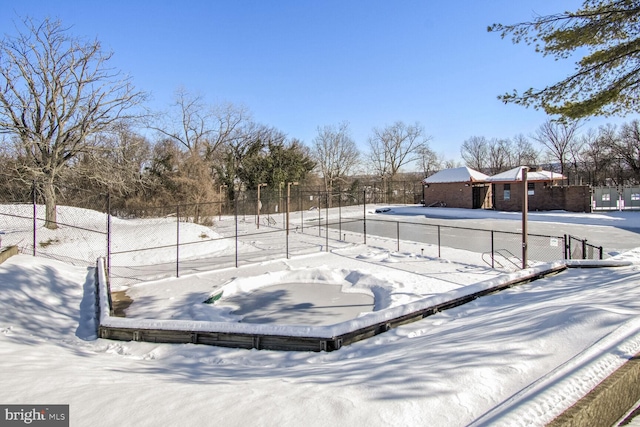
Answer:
(607, 78)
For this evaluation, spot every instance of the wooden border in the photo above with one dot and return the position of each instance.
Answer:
(7, 252)
(275, 341)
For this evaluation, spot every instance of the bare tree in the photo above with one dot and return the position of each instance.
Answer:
(200, 128)
(597, 153)
(474, 152)
(558, 138)
(430, 161)
(522, 152)
(575, 158)
(627, 148)
(498, 155)
(335, 153)
(395, 146)
(55, 92)
(452, 164)
(202, 132)
(116, 165)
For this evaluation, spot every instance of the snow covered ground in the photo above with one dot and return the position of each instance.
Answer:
(515, 358)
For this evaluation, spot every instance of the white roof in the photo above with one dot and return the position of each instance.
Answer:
(463, 174)
(515, 174)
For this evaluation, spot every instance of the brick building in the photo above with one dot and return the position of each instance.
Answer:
(457, 188)
(544, 189)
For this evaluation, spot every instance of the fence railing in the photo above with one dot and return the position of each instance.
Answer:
(172, 241)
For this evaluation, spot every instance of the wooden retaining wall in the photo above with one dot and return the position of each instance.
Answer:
(603, 406)
(268, 341)
(8, 252)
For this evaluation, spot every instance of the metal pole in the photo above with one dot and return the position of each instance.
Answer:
(258, 205)
(364, 215)
(326, 222)
(319, 217)
(108, 235)
(235, 210)
(286, 237)
(178, 241)
(35, 224)
(339, 214)
(289, 184)
(301, 211)
(525, 210)
(280, 199)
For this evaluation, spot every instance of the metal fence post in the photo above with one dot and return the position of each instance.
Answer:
(364, 215)
(319, 216)
(35, 224)
(177, 240)
(439, 256)
(109, 235)
(398, 234)
(339, 214)
(301, 211)
(584, 248)
(235, 211)
(326, 221)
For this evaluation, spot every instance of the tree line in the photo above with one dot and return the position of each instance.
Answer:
(66, 116)
(609, 155)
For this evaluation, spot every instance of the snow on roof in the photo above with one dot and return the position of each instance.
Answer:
(515, 174)
(463, 174)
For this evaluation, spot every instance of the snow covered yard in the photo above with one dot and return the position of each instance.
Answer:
(519, 357)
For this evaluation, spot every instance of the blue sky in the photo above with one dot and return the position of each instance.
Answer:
(298, 64)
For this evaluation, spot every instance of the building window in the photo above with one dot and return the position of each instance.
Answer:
(531, 188)
(507, 192)
(606, 197)
(635, 196)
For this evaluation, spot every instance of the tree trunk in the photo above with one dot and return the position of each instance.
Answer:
(51, 217)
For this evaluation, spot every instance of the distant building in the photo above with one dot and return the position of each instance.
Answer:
(467, 188)
(544, 189)
(457, 188)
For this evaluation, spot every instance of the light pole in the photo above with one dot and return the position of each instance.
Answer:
(289, 184)
(280, 185)
(220, 201)
(525, 209)
(259, 205)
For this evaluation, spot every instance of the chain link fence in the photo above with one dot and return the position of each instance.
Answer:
(500, 249)
(78, 234)
(151, 242)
